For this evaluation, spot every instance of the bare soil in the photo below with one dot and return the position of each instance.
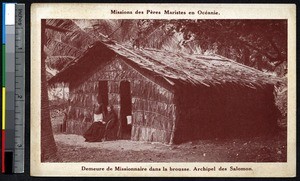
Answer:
(72, 148)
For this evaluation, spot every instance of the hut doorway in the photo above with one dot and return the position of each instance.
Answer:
(103, 94)
(125, 109)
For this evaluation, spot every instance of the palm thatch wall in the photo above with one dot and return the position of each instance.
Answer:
(153, 108)
(174, 97)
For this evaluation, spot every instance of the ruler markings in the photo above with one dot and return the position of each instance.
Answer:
(20, 83)
(19, 148)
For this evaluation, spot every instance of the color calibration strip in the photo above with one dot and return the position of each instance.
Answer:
(13, 87)
(3, 92)
(8, 86)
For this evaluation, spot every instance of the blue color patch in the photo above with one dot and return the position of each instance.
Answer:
(3, 23)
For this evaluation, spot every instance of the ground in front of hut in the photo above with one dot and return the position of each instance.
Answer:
(72, 148)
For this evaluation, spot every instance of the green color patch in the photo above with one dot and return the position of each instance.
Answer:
(3, 65)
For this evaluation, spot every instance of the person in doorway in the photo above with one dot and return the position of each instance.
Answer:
(110, 120)
(96, 131)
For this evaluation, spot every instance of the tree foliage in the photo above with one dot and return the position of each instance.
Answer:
(258, 43)
(261, 44)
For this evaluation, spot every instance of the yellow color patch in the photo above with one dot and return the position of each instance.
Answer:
(3, 107)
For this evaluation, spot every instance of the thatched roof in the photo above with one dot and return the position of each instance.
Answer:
(172, 67)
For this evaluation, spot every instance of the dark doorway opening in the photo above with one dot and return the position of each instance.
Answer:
(125, 109)
(103, 94)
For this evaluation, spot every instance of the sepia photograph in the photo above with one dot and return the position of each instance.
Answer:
(157, 90)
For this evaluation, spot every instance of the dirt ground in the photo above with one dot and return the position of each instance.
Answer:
(72, 148)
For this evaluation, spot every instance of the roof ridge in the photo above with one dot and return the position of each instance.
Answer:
(190, 68)
(243, 65)
(190, 78)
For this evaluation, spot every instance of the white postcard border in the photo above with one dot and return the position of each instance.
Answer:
(102, 11)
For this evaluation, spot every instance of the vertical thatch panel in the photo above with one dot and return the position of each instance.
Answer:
(153, 108)
(82, 99)
(152, 105)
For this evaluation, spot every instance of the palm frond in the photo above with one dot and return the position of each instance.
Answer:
(78, 39)
(62, 23)
(56, 48)
(58, 62)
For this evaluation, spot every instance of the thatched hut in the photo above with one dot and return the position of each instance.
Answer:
(172, 97)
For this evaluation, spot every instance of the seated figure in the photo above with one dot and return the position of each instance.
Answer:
(96, 130)
(101, 124)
